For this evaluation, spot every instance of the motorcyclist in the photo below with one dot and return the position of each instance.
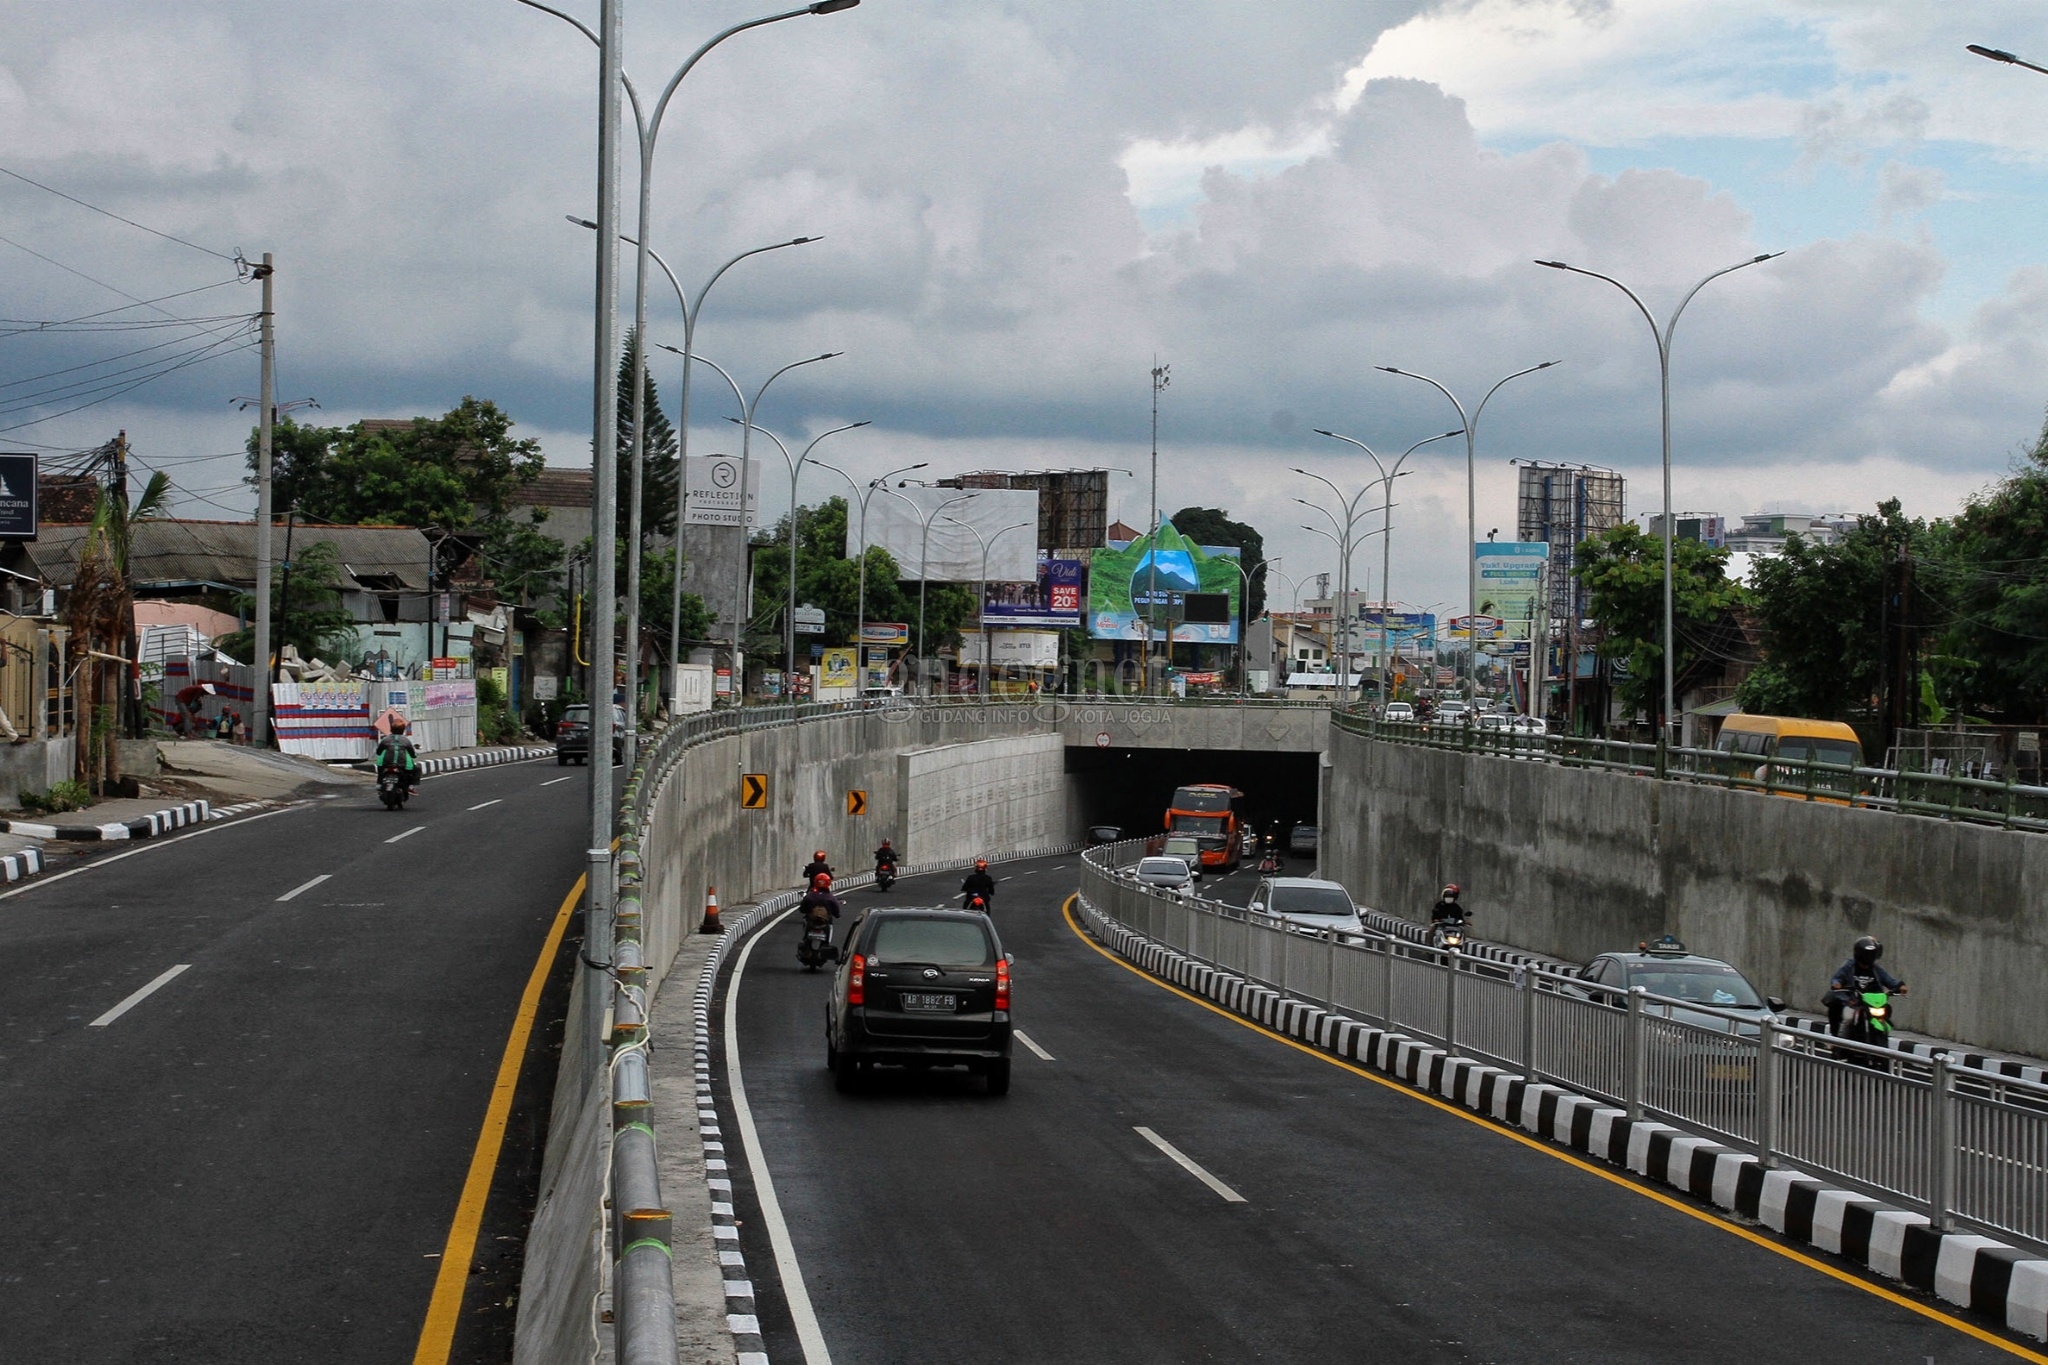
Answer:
(396, 750)
(819, 905)
(1448, 908)
(1859, 974)
(885, 856)
(979, 883)
(816, 866)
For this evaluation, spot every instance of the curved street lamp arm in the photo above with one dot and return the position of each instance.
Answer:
(758, 393)
(1410, 374)
(723, 373)
(1497, 387)
(771, 436)
(668, 92)
(1425, 441)
(834, 432)
(1354, 441)
(691, 309)
(1672, 326)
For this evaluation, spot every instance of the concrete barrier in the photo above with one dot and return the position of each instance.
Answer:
(1575, 862)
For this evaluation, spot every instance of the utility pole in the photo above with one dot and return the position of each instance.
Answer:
(266, 422)
(1160, 379)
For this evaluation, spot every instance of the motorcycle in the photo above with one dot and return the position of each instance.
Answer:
(974, 900)
(1868, 1020)
(885, 876)
(815, 948)
(1448, 935)
(392, 789)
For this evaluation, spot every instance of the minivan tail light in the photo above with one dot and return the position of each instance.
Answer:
(1002, 983)
(857, 981)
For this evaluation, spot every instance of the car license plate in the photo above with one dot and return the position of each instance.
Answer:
(916, 1001)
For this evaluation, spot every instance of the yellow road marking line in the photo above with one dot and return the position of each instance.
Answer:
(1536, 1144)
(437, 1336)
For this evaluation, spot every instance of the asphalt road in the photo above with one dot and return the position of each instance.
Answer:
(934, 1224)
(259, 1161)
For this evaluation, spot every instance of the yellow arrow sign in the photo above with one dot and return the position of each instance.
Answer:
(754, 791)
(856, 803)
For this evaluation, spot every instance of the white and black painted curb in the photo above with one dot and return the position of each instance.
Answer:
(142, 827)
(27, 863)
(1999, 1282)
(475, 758)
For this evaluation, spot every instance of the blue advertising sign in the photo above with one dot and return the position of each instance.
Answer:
(1051, 603)
(17, 496)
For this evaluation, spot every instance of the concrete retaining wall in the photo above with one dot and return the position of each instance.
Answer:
(959, 801)
(1575, 862)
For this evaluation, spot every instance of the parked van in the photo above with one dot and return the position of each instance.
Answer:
(1784, 746)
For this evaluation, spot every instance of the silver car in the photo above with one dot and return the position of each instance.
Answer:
(1305, 903)
(1165, 874)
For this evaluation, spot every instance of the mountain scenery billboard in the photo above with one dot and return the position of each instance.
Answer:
(1174, 585)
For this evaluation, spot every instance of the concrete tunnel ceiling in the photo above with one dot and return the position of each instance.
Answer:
(1131, 787)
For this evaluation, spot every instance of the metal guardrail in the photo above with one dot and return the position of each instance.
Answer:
(1965, 1146)
(1973, 800)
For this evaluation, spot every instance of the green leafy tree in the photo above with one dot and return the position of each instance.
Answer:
(307, 614)
(460, 470)
(1821, 612)
(1987, 573)
(525, 563)
(826, 578)
(659, 469)
(1623, 570)
(1213, 526)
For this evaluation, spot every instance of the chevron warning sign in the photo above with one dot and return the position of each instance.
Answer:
(856, 803)
(754, 791)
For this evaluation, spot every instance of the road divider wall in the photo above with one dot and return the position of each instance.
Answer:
(1574, 862)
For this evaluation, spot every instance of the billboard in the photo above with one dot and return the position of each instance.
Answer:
(1013, 649)
(1511, 580)
(1412, 632)
(1143, 584)
(960, 522)
(1052, 602)
(17, 496)
(713, 491)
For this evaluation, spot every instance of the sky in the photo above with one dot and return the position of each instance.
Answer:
(1025, 205)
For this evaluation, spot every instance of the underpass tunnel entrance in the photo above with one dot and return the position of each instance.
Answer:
(1131, 788)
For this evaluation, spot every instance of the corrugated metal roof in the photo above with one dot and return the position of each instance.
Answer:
(171, 551)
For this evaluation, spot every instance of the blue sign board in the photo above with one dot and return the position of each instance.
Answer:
(17, 496)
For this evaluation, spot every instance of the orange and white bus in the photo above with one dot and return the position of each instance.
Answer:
(1208, 811)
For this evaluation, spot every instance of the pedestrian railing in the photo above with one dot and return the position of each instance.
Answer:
(1975, 800)
(1966, 1146)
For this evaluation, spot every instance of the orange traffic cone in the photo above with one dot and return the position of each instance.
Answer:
(711, 924)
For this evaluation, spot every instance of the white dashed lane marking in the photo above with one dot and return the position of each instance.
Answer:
(1182, 1160)
(132, 1001)
(1021, 1036)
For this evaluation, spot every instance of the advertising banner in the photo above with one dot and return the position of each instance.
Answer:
(885, 632)
(1191, 590)
(1053, 601)
(1412, 632)
(1460, 628)
(836, 669)
(18, 496)
(713, 491)
(1511, 580)
(961, 523)
(1013, 649)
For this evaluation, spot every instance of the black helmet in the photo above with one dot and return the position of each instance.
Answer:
(1867, 951)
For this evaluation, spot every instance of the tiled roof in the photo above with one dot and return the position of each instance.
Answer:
(167, 550)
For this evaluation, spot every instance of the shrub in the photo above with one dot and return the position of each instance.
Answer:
(61, 796)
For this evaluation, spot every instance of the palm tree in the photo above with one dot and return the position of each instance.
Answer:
(101, 614)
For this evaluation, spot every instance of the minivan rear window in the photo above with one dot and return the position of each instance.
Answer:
(1311, 900)
(932, 942)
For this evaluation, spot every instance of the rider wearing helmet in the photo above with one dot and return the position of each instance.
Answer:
(1448, 908)
(1859, 974)
(885, 856)
(819, 905)
(979, 883)
(396, 750)
(816, 866)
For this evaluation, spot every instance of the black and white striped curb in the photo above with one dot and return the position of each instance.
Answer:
(1987, 1277)
(2015, 1068)
(142, 827)
(15, 866)
(475, 758)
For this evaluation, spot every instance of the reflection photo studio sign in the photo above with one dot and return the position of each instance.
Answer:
(17, 496)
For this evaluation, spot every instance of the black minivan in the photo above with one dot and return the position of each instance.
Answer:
(920, 988)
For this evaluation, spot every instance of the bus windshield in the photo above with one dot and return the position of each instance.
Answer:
(1801, 748)
(1198, 824)
(1201, 798)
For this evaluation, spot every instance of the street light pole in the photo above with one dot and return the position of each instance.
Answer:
(1387, 477)
(1244, 615)
(981, 591)
(649, 129)
(860, 610)
(739, 596)
(690, 310)
(1470, 425)
(1662, 336)
(1351, 516)
(796, 468)
(1160, 380)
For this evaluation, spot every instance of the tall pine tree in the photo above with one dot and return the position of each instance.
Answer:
(658, 482)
